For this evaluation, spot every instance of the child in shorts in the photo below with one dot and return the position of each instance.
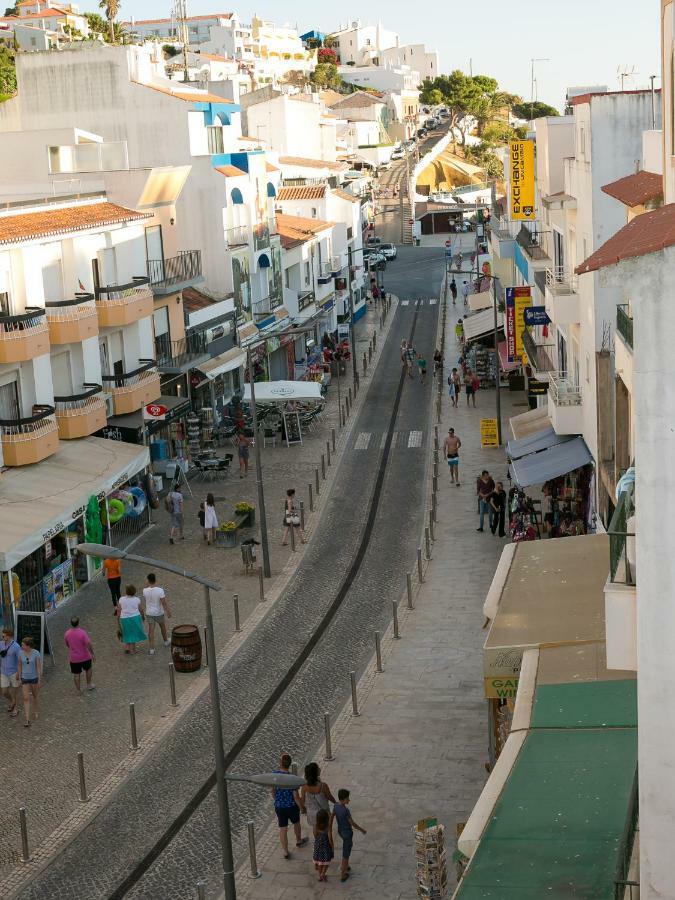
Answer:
(345, 826)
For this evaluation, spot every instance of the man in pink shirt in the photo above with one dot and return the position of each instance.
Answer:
(80, 653)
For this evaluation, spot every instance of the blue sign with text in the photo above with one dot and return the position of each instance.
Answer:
(536, 315)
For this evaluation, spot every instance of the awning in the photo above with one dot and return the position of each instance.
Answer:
(38, 501)
(225, 362)
(504, 363)
(483, 300)
(529, 422)
(175, 406)
(558, 460)
(282, 391)
(533, 443)
(481, 323)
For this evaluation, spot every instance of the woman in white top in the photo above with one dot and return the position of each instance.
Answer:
(314, 794)
(131, 619)
(210, 519)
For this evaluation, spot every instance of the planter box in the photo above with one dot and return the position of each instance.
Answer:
(226, 538)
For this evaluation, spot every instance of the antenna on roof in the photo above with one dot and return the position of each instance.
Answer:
(623, 72)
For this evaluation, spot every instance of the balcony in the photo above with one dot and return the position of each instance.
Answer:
(564, 404)
(620, 588)
(28, 441)
(502, 236)
(124, 304)
(330, 269)
(175, 273)
(237, 237)
(305, 299)
(562, 300)
(132, 391)
(174, 357)
(624, 324)
(530, 242)
(261, 308)
(23, 337)
(79, 415)
(99, 156)
(540, 356)
(72, 321)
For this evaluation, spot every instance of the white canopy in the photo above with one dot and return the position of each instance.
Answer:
(282, 391)
(480, 301)
(481, 323)
(226, 362)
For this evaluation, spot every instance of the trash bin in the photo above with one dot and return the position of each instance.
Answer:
(186, 648)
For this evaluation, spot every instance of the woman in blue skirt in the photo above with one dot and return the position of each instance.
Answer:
(131, 619)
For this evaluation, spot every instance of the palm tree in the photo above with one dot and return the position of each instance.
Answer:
(111, 9)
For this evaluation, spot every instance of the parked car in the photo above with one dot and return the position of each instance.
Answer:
(373, 243)
(398, 154)
(389, 250)
(383, 166)
(421, 132)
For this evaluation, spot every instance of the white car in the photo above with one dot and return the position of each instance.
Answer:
(398, 154)
(383, 166)
(388, 250)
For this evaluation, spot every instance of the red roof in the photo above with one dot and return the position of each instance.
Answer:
(647, 233)
(636, 189)
(48, 222)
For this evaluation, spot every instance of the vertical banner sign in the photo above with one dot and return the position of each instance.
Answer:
(511, 324)
(523, 299)
(521, 155)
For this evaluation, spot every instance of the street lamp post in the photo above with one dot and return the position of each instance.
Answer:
(350, 254)
(267, 572)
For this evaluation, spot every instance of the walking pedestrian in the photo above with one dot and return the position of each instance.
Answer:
(469, 381)
(465, 292)
(243, 451)
(210, 519)
(156, 609)
(451, 389)
(484, 488)
(30, 675)
(80, 654)
(113, 573)
(291, 518)
(174, 504)
(422, 366)
(410, 357)
(201, 515)
(9, 670)
(457, 381)
(438, 362)
(475, 384)
(287, 808)
(453, 290)
(314, 795)
(345, 827)
(131, 620)
(451, 447)
(498, 513)
(459, 331)
(323, 844)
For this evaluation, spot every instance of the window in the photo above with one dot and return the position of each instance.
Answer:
(214, 136)
(307, 273)
(314, 212)
(10, 407)
(287, 278)
(4, 304)
(582, 141)
(588, 368)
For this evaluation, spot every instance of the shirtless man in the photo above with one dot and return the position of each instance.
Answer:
(451, 447)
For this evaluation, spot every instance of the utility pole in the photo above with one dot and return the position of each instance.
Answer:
(351, 316)
(497, 390)
(651, 81)
(181, 15)
(267, 572)
(532, 62)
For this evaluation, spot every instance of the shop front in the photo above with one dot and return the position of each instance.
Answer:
(91, 489)
(215, 382)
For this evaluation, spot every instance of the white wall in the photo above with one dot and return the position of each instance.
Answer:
(379, 78)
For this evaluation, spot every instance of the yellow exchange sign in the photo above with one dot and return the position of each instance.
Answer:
(521, 155)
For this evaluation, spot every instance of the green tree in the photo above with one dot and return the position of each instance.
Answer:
(170, 50)
(12, 10)
(431, 96)
(111, 9)
(524, 110)
(97, 24)
(326, 75)
(7, 78)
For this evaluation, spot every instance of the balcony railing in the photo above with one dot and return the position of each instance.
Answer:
(305, 299)
(29, 440)
(530, 242)
(261, 308)
(561, 280)
(503, 228)
(540, 355)
(182, 352)
(23, 336)
(181, 269)
(237, 237)
(104, 156)
(79, 415)
(131, 379)
(622, 540)
(130, 291)
(563, 391)
(121, 304)
(624, 324)
(71, 321)
(132, 390)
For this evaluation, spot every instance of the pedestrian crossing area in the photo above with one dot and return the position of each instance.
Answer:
(431, 301)
(401, 440)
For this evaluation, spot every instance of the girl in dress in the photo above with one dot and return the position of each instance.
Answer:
(210, 519)
(323, 844)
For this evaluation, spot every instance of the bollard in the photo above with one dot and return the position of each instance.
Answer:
(374, 340)
(431, 526)
(132, 722)
(206, 647)
(394, 609)
(408, 585)
(83, 784)
(420, 572)
(365, 365)
(323, 466)
(326, 727)
(435, 437)
(350, 395)
(378, 653)
(235, 605)
(25, 851)
(434, 510)
(172, 681)
(427, 543)
(355, 702)
(434, 484)
(328, 452)
(251, 851)
(294, 768)
(311, 498)
(370, 352)
(201, 890)
(302, 516)
(292, 530)
(332, 437)
(317, 486)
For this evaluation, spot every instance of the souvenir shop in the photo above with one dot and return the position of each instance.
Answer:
(90, 490)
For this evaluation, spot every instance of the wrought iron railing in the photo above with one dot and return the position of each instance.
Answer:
(31, 321)
(147, 369)
(40, 422)
(625, 848)
(176, 353)
(175, 270)
(137, 285)
(624, 324)
(620, 569)
(529, 241)
(563, 391)
(540, 356)
(561, 280)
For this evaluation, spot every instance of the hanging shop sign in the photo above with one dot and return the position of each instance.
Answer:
(488, 433)
(518, 299)
(154, 411)
(536, 388)
(536, 315)
(521, 187)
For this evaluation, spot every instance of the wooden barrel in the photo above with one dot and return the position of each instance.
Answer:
(186, 648)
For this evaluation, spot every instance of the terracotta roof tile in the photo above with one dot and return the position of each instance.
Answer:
(270, 168)
(214, 57)
(302, 192)
(202, 97)
(52, 222)
(303, 161)
(194, 300)
(345, 195)
(636, 189)
(357, 100)
(229, 171)
(296, 230)
(647, 233)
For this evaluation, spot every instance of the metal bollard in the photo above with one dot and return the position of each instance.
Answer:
(311, 498)
(374, 340)
(427, 543)
(350, 395)
(83, 783)
(206, 647)
(25, 851)
(332, 437)
(434, 484)
(302, 515)
(328, 452)
(235, 606)
(201, 890)
(251, 851)
(294, 768)
(431, 526)
(261, 582)
(408, 584)
(420, 572)
(323, 466)
(355, 702)
(394, 608)
(292, 530)
(365, 365)
(317, 486)
(378, 653)
(132, 722)
(434, 509)
(326, 727)
(435, 437)
(172, 682)
(370, 352)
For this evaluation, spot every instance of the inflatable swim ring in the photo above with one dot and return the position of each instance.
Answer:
(116, 510)
(140, 502)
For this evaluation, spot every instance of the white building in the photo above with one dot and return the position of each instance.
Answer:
(58, 22)
(365, 127)
(361, 45)
(168, 29)
(295, 124)
(397, 79)
(415, 56)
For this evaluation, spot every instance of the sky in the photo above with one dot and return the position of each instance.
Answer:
(585, 41)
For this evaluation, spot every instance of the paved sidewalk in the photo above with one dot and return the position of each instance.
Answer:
(43, 776)
(419, 746)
